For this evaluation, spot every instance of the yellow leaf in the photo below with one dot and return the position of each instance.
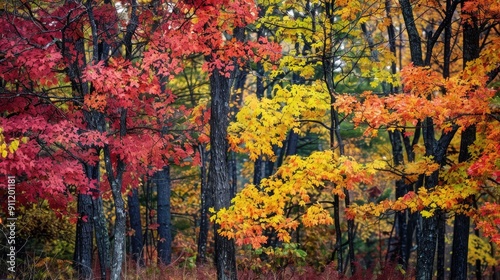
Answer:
(13, 145)
(426, 214)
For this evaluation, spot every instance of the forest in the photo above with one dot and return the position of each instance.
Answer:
(250, 139)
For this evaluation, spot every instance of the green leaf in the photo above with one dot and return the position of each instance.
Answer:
(301, 253)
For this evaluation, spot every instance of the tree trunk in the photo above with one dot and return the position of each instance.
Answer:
(134, 210)
(257, 171)
(400, 218)
(96, 216)
(95, 121)
(119, 232)
(120, 215)
(204, 205)
(84, 227)
(115, 181)
(163, 187)
(426, 243)
(460, 247)
(427, 227)
(84, 232)
(441, 259)
(328, 60)
(478, 265)
(120, 227)
(101, 236)
(412, 31)
(461, 230)
(225, 260)
(427, 230)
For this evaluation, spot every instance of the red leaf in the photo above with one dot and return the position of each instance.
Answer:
(153, 226)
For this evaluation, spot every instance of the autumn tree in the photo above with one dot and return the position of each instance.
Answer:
(106, 104)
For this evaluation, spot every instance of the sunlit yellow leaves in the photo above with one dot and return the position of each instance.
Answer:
(424, 166)
(424, 201)
(14, 144)
(9, 147)
(487, 163)
(257, 209)
(3, 150)
(260, 124)
(316, 215)
(300, 65)
(427, 214)
(480, 250)
(487, 62)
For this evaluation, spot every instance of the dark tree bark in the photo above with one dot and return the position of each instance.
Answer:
(102, 237)
(460, 247)
(411, 30)
(148, 236)
(204, 205)
(225, 260)
(441, 215)
(461, 228)
(400, 219)
(134, 212)
(447, 46)
(96, 216)
(87, 208)
(84, 229)
(163, 188)
(403, 239)
(84, 232)
(427, 227)
(427, 232)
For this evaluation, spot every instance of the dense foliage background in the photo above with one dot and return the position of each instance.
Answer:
(251, 139)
